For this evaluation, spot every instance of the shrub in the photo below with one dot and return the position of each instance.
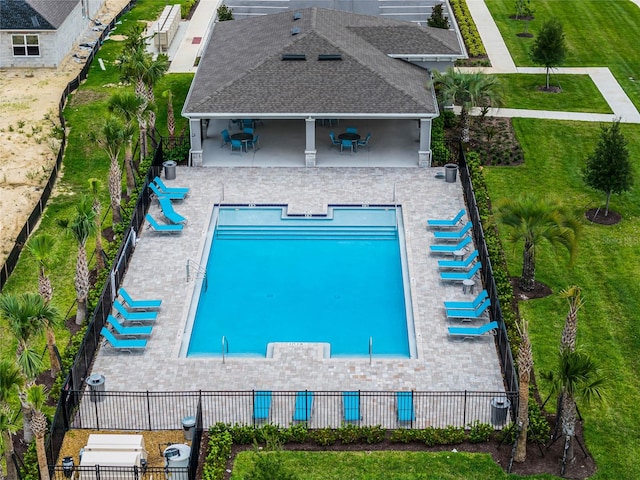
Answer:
(430, 436)
(29, 469)
(323, 436)
(268, 434)
(243, 434)
(298, 433)
(219, 452)
(224, 13)
(404, 435)
(349, 434)
(480, 432)
(468, 29)
(453, 435)
(375, 434)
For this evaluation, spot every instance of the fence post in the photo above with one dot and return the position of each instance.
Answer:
(149, 410)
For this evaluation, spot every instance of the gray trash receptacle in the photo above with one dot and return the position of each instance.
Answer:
(169, 169)
(499, 409)
(450, 172)
(188, 427)
(96, 387)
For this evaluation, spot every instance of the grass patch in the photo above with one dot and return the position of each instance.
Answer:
(555, 152)
(381, 465)
(597, 35)
(579, 93)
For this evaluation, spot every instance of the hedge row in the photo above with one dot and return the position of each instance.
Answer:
(468, 28)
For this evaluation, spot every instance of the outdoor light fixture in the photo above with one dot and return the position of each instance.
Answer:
(67, 467)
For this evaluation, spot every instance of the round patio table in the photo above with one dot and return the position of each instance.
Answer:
(354, 137)
(242, 136)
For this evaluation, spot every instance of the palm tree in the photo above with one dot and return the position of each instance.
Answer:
(468, 90)
(570, 330)
(112, 138)
(127, 106)
(81, 227)
(41, 248)
(577, 378)
(532, 220)
(94, 188)
(37, 397)
(525, 367)
(171, 119)
(11, 381)
(27, 315)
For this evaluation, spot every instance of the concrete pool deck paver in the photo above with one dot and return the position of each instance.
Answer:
(158, 270)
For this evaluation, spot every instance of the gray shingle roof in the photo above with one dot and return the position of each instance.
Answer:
(34, 14)
(242, 71)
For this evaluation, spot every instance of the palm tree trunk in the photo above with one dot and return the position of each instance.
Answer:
(99, 251)
(569, 418)
(12, 473)
(464, 125)
(27, 411)
(53, 358)
(82, 284)
(44, 286)
(528, 280)
(42, 458)
(523, 417)
(115, 190)
(128, 167)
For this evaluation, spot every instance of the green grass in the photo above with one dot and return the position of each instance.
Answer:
(579, 93)
(598, 34)
(606, 270)
(383, 465)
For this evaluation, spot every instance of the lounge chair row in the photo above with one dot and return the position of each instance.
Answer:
(165, 195)
(351, 406)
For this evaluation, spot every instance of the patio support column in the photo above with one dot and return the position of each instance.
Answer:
(424, 152)
(195, 153)
(310, 149)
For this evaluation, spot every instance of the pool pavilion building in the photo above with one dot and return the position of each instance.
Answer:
(319, 65)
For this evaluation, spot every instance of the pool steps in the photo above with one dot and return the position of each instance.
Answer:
(316, 232)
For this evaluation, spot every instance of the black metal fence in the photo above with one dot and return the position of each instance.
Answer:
(137, 411)
(119, 473)
(502, 340)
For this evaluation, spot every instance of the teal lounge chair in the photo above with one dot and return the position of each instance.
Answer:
(469, 314)
(261, 405)
(172, 196)
(138, 304)
(122, 344)
(160, 227)
(447, 223)
(351, 407)
(168, 190)
(169, 212)
(458, 264)
(467, 305)
(450, 248)
(471, 332)
(133, 316)
(454, 236)
(128, 331)
(406, 412)
(304, 404)
(460, 276)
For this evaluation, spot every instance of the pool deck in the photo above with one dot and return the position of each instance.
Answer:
(158, 270)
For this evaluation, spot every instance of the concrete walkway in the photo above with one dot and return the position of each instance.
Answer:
(502, 62)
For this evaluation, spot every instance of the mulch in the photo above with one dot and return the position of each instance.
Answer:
(596, 215)
(540, 290)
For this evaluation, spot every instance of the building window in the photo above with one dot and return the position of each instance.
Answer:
(25, 45)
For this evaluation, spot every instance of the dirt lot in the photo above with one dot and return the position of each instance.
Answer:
(28, 150)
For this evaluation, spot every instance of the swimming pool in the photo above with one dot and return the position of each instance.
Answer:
(339, 279)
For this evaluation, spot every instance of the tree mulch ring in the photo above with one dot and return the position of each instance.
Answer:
(524, 35)
(70, 323)
(108, 234)
(596, 215)
(540, 290)
(525, 18)
(551, 89)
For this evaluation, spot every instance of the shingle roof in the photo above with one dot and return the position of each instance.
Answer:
(242, 71)
(34, 14)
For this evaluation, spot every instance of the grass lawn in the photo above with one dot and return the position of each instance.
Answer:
(598, 34)
(382, 466)
(605, 269)
(579, 93)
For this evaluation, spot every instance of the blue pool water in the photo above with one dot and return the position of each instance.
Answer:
(272, 278)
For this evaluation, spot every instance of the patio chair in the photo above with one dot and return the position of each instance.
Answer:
(450, 248)
(128, 331)
(458, 264)
(226, 138)
(248, 123)
(236, 145)
(169, 190)
(334, 141)
(161, 227)
(447, 223)
(253, 143)
(168, 211)
(133, 316)
(455, 236)
(460, 276)
(261, 405)
(468, 315)
(304, 404)
(171, 196)
(138, 304)
(365, 142)
(351, 407)
(472, 332)
(346, 144)
(351, 130)
(248, 130)
(453, 305)
(406, 411)
(123, 344)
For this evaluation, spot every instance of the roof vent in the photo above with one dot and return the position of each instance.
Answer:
(295, 30)
(34, 21)
(292, 57)
(297, 16)
(329, 57)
